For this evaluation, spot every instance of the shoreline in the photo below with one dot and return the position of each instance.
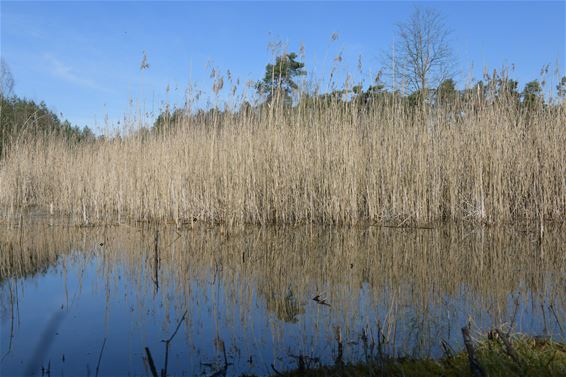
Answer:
(496, 353)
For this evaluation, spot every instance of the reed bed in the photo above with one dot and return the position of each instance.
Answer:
(326, 162)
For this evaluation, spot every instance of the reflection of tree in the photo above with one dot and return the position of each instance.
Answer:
(283, 305)
(20, 262)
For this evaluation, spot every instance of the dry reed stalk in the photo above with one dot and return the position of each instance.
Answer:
(336, 163)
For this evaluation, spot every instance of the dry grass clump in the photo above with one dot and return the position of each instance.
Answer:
(328, 162)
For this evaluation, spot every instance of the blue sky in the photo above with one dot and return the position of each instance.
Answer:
(83, 58)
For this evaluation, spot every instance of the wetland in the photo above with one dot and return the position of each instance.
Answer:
(100, 300)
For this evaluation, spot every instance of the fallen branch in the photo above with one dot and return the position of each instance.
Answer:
(508, 347)
(475, 366)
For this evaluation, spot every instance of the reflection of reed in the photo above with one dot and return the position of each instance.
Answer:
(34, 249)
(372, 274)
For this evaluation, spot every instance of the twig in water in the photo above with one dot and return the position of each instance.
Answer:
(305, 362)
(220, 344)
(100, 357)
(364, 339)
(320, 300)
(448, 353)
(301, 363)
(380, 340)
(339, 362)
(446, 349)
(545, 330)
(276, 371)
(156, 261)
(46, 372)
(151, 363)
(514, 316)
(551, 307)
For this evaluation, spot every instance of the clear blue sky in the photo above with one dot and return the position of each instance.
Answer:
(83, 58)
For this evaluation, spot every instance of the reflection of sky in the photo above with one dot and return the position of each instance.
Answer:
(122, 306)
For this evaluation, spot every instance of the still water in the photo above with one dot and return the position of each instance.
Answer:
(87, 301)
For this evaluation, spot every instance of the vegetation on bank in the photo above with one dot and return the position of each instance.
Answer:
(495, 355)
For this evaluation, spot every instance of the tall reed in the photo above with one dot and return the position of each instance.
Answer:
(323, 161)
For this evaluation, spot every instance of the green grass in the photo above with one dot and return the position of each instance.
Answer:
(533, 358)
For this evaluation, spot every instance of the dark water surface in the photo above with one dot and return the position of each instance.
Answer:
(67, 291)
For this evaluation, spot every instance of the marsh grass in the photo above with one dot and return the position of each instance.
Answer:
(322, 161)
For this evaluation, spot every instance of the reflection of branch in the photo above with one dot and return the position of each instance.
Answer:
(219, 343)
(179, 235)
(156, 261)
(177, 328)
(167, 342)
(164, 370)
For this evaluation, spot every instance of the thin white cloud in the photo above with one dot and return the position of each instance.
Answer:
(65, 72)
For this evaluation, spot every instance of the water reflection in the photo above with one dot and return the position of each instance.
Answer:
(249, 294)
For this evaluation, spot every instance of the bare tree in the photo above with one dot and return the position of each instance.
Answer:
(421, 57)
(6, 79)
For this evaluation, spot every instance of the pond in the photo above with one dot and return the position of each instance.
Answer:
(100, 300)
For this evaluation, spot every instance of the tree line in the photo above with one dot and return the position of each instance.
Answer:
(419, 72)
(420, 69)
(21, 118)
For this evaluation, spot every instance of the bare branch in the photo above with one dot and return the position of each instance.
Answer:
(6, 79)
(421, 57)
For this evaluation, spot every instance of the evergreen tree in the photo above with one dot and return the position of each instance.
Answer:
(532, 94)
(279, 78)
